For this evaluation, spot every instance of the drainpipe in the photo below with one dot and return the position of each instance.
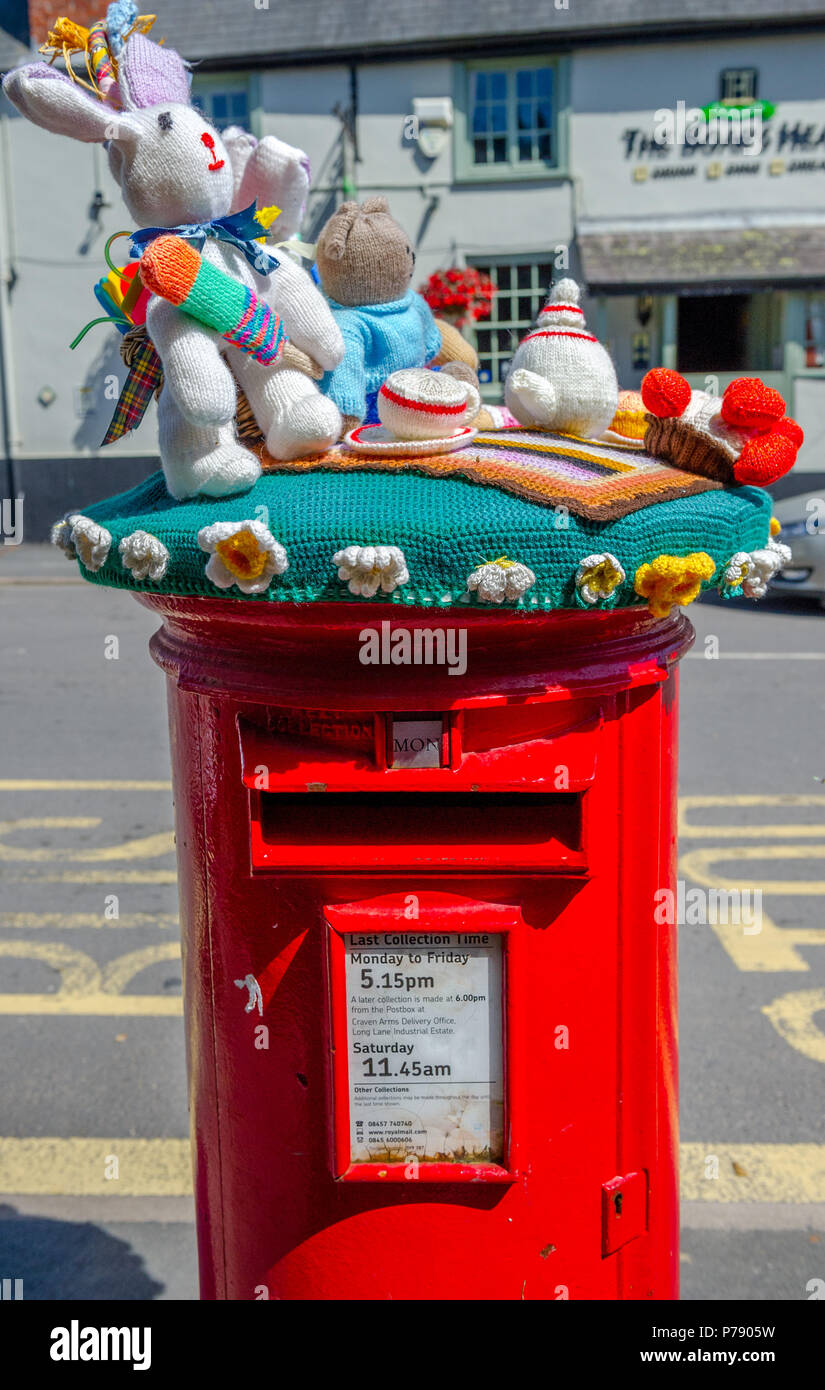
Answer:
(11, 436)
(350, 156)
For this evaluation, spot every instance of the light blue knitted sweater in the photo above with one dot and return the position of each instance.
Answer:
(379, 339)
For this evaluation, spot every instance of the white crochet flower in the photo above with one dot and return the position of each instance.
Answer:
(782, 550)
(598, 576)
(501, 579)
(737, 569)
(764, 565)
(61, 536)
(91, 542)
(243, 553)
(368, 568)
(144, 555)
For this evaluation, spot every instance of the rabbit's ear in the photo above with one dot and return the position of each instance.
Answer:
(53, 101)
(275, 173)
(239, 145)
(149, 75)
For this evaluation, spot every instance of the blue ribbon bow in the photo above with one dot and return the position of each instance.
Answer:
(241, 230)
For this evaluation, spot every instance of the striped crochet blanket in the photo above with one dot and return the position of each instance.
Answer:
(599, 481)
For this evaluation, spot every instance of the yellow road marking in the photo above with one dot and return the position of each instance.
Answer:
(77, 1167)
(28, 784)
(142, 847)
(687, 830)
(87, 988)
(113, 875)
(792, 1015)
(99, 1005)
(22, 921)
(697, 861)
(773, 948)
(161, 1167)
(767, 1172)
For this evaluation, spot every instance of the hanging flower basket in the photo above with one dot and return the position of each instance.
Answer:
(459, 296)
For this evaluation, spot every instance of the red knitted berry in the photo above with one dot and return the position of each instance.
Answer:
(665, 393)
(790, 429)
(749, 404)
(764, 459)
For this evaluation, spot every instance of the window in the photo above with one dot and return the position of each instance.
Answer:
(521, 289)
(738, 86)
(509, 122)
(741, 333)
(223, 104)
(712, 333)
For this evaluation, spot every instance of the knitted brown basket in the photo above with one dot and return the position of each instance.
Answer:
(686, 447)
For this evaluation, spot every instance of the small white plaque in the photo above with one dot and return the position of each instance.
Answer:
(416, 743)
(424, 1025)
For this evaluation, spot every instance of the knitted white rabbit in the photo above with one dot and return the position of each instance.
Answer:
(174, 171)
(270, 173)
(561, 377)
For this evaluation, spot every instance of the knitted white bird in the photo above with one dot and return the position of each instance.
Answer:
(561, 377)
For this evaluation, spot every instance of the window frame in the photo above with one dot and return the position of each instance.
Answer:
(465, 170)
(492, 390)
(208, 84)
(738, 100)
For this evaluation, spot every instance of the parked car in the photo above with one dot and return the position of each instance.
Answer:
(802, 520)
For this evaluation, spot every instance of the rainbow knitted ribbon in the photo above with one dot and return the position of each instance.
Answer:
(174, 270)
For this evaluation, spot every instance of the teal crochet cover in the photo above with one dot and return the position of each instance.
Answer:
(446, 528)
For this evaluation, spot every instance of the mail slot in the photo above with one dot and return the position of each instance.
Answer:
(483, 831)
(430, 1013)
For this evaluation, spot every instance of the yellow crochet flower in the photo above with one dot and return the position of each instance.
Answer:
(673, 579)
(775, 526)
(598, 576)
(243, 555)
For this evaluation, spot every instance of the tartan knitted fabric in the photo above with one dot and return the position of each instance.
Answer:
(145, 375)
(445, 528)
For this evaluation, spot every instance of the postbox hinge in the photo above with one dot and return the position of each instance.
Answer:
(624, 1210)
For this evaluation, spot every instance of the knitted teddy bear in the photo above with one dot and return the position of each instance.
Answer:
(742, 437)
(365, 263)
(176, 173)
(561, 378)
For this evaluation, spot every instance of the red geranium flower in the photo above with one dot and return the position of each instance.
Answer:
(466, 292)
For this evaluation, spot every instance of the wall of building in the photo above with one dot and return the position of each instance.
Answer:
(56, 251)
(617, 92)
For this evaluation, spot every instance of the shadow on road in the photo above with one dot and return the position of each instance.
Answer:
(61, 1260)
(782, 604)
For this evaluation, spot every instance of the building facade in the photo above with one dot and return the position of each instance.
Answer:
(671, 156)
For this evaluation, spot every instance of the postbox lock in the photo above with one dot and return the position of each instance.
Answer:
(624, 1210)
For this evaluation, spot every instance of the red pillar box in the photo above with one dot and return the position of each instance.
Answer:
(430, 1019)
(429, 1007)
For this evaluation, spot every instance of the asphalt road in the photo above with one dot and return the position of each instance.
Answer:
(73, 1064)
